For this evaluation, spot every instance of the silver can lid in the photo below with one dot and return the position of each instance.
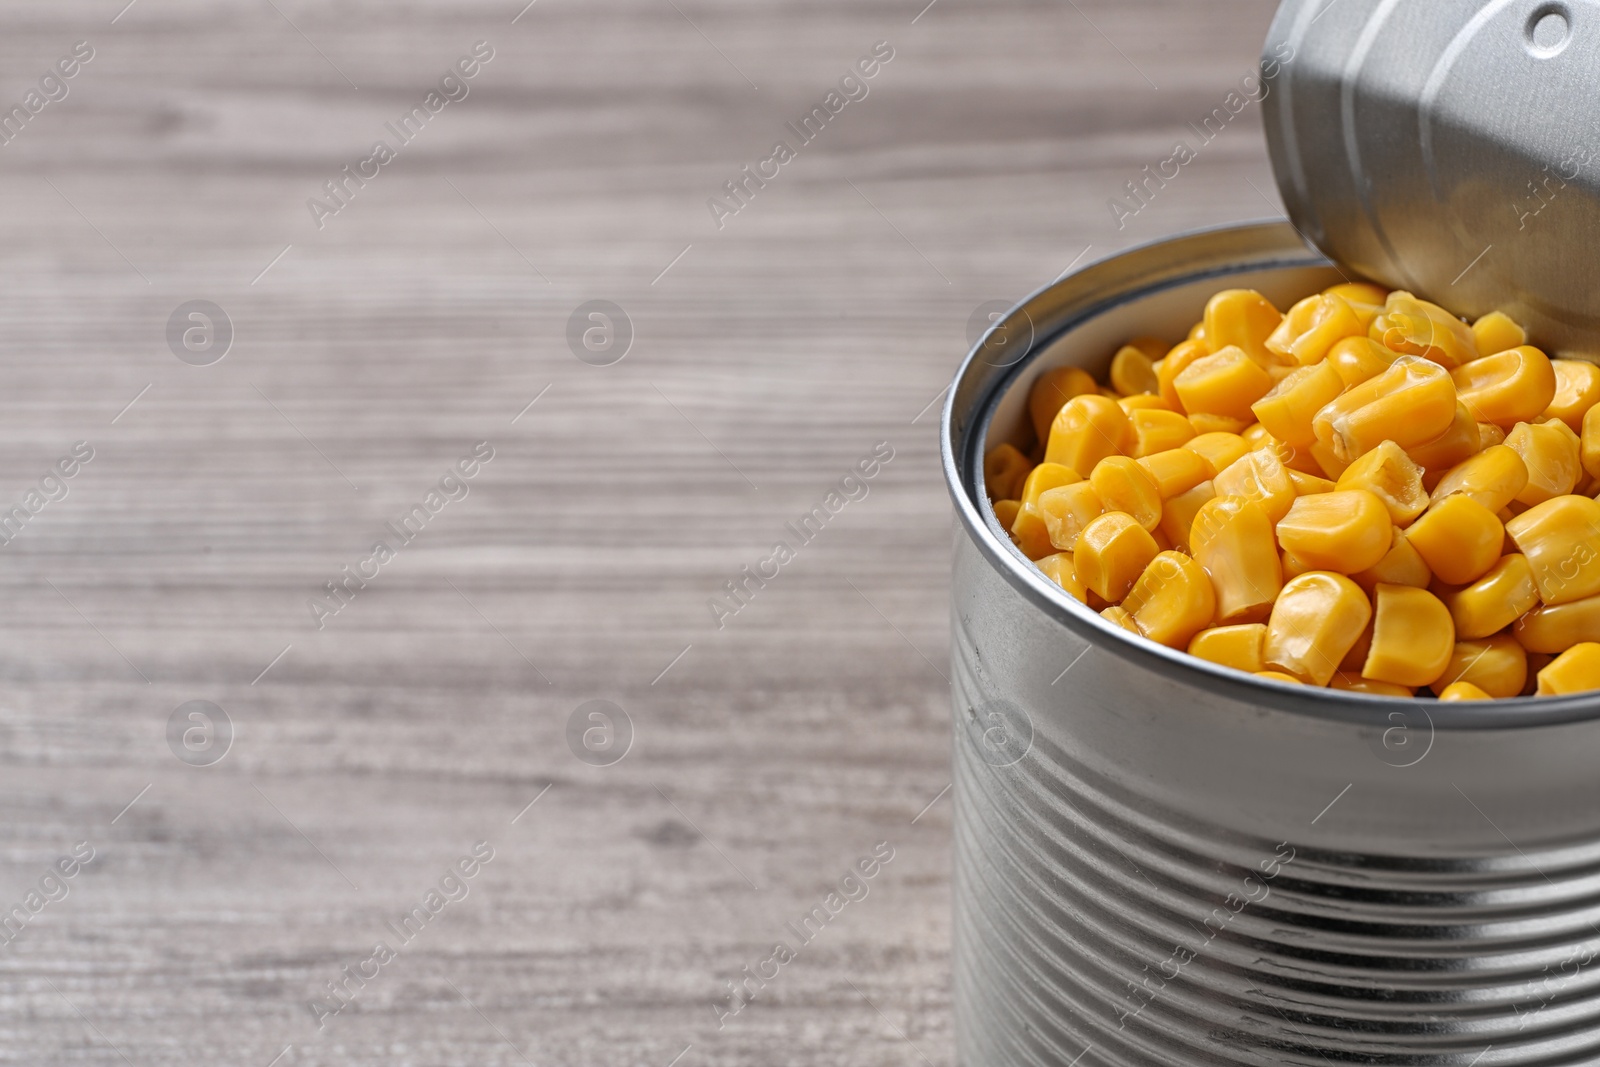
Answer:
(1447, 147)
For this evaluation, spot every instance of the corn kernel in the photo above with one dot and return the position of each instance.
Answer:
(1296, 460)
(1204, 423)
(1124, 486)
(1059, 569)
(1354, 683)
(1176, 362)
(1497, 665)
(1312, 326)
(1141, 402)
(1356, 359)
(1004, 471)
(1221, 450)
(1239, 647)
(1232, 539)
(1493, 478)
(1496, 332)
(1365, 299)
(1044, 477)
(1309, 484)
(1119, 616)
(1460, 442)
(1508, 387)
(1050, 393)
(1459, 539)
(1553, 455)
(1156, 431)
(1066, 510)
(1133, 372)
(1561, 539)
(1287, 410)
(1344, 531)
(1172, 600)
(1402, 565)
(1331, 465)
(1315, 620)
(1177, 517)
(1154, 347)
(1258, 476)
(1279, 676)
(1463, 691)
(1410, 403)
(1225, 383)
(1177, 470)
(1494, 601)
(1256, 436)
(1005, 513)
(1293, 565)
(1085, 431)
(1577, 390)
(1243, 318)
(1417, 328)
(1393, 477)
(1490, 435)
(1554, 628)
(1031, 533)
(1577, 670)
(1112, 552)
(1412, 637)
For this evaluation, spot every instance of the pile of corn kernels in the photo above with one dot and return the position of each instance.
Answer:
(1366, 493)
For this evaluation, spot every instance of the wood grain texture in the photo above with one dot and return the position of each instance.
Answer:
(423, 317)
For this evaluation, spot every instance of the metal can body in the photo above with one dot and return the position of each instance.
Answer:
(1162, 862)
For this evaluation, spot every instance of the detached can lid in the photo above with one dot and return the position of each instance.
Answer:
(1447, 147)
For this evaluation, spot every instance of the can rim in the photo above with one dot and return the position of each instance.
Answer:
(1092, 290)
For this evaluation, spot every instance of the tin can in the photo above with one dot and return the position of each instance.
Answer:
(1162, 862)
(1447, 147)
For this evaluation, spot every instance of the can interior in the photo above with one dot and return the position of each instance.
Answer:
(1085, 331)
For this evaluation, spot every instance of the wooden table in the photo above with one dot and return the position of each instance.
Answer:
(427, 314)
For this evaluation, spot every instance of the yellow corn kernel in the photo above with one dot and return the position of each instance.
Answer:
(1031, 533)
(1154, 347)
(1310, 484)
(1142, 402)
(1161, 540)
(1005, 513)
(1243, 318)
(1177, 470)
(1133, 372)
(1412, 637)
(1356, 359)
(1112, 552)
(1258, 476)
(1553, 456)
(1312, 326)
(1589, 444)
(1296, 460)
(1059, 569)
(1156, 431)
(1177, 517)
(1119, 616)
(1315, 620)
(1124, 486)
(1493, 478)
(1204, 424)
(1172, 600)
(1508, 387)
(1239, 647)
(1354, 683)
(1457, 444)
(1287, 410)
(1044, 477)
(1086, 430)
(1256, 436)
(1232, 539)
(1555, 628)
(1344, 531)
(1293, 565)
(1004, 470)
(1459, 539)
(1279, 676)
(1417, 328)
(1225, 383)
(1109, 393)
(1410, 403)
(1490, 435)
(1497, 665)
(1066, 510)
(1496, 332)
(1393, 477)
(1197, 332)
(1494, 601)
(1463, 691)
(1401, 565)
(1175, 363)
(1577, 670)
(1050, 393)
(1221, 450)
(1365, 300)
(1331, 465)
(1577, 390)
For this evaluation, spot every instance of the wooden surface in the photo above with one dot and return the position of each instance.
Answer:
(432, 709)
